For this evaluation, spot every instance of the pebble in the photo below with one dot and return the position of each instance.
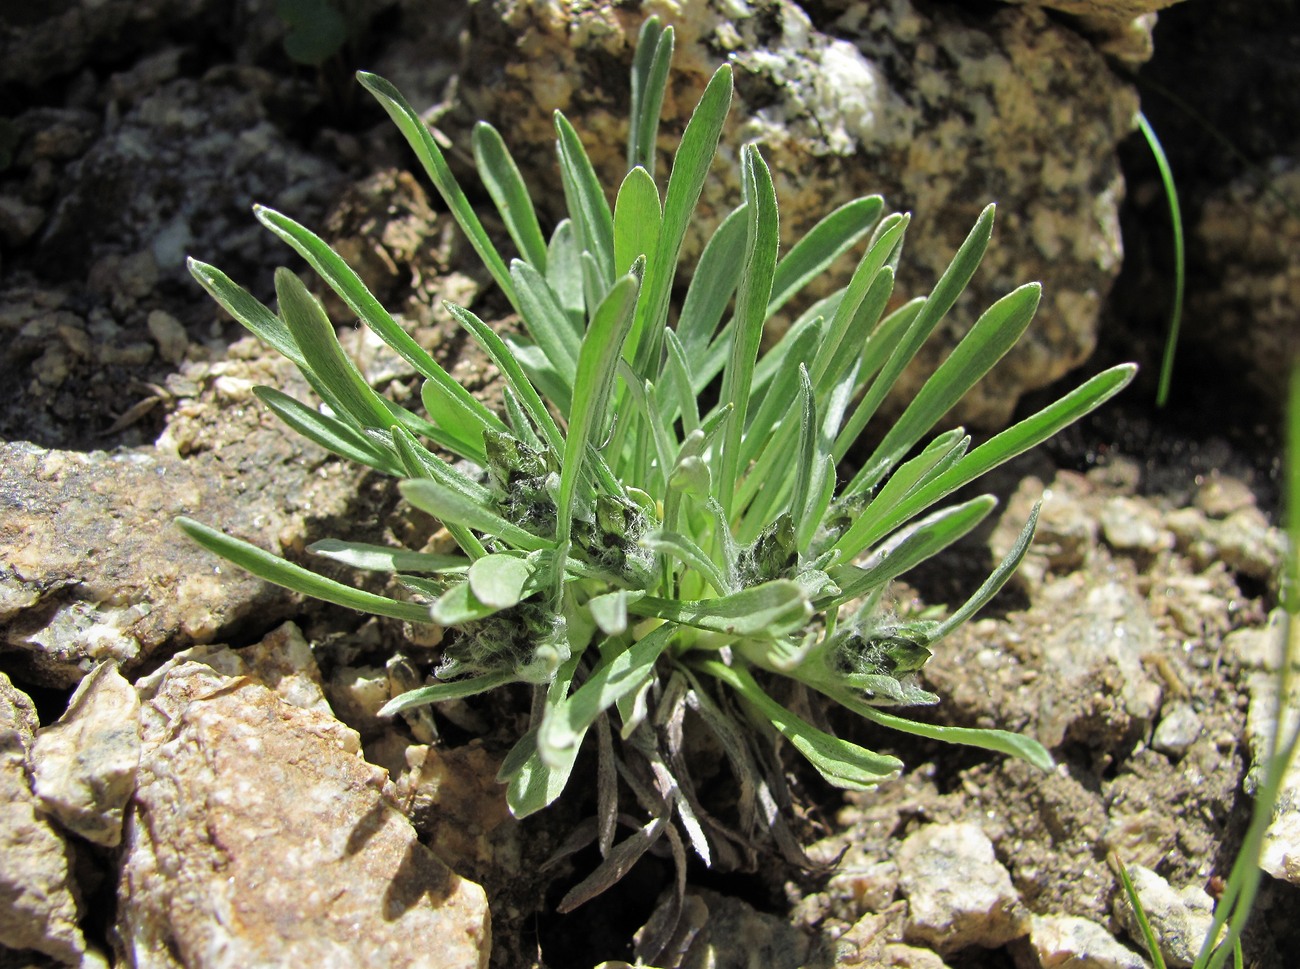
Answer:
(170, 336)
(1177, 730)
(1071, 942)
(1180, 919)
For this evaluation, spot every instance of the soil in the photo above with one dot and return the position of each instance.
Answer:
(102, 376)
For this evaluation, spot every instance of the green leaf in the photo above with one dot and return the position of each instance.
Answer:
(999, 741)
(531, 783)
(926, 539)
(505, 362)
(383, 558)
(996, 580)
(330, 433)
(691, 555)
(430, 155)
(546, 320)
(439, 692)
(935, 308)
(500, 580)
(465, 409)
(564, 273)
(248, 310)
(586, 200)
(1002, 447)
(994, 333)
(808, 460)
(717, 274)
(597, 363)
(509, 193)
(615, 676)
(276, 570)
(751, 311)
(460, 605)
(637, 218)
(320, 348)
(771, 609)
(825, 242)
(679, 368)
(654, 54)
(843, 764)
(452, 506)
(690, 167)
(609, 610)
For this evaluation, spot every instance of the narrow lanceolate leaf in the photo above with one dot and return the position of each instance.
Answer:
(716, 276)
(587, 204)
(546, 320)
(453, 507)
(843, 764)
(924, 541)
(382, 558)
(636, 219)
(439, 692)
(690, 167)
(460, 605)
(999, 741)
(531, 783)
(994, 333)
(614, 676)
(505, 362)
(691, 555)
(937, 457)
(996, 580)
(807, 462)
(654, 54)
(751, 312)
(272, 568)
(247, 309)
(420, 463)
(426, 149)
(932, 311)
(564, 273)
(771, 609)
(824, 243)
(509, 193)
(320, 348)
(348, 285)
(1010, 443)
(597, 365)
(332, 434)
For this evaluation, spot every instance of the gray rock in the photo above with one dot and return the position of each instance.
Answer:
(39, 901)
(1133, 526)
(1070, 942)
(958, 893)
(1178, 729)
(258, 836)
(1259, 647)
(85, 765)
(901, 99)
(1180, 920)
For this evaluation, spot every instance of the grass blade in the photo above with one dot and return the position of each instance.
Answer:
(588, 206)
(383, 558)
(333, 435)
(654, 54)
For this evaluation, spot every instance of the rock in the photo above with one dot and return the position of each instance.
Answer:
(1177, 730)
(1133, 526)
(735, 936)
(1222, 495)
(867, 945)
(1070, 942)
(85, 765)
(903, 99)
(356, 693)
(258, 836)
(93, 567)
(958, 893)
(1248, 233)
(1280, 851)
(1180, 920)
(39, 901)
(169, 334)
(1259, 647)
(1244, 541)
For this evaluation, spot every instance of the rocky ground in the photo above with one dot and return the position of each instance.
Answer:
(191, 768)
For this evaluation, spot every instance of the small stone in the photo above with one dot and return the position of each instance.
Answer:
(169, 334)
(18, 220)
(1221, 495)
(133, 354)
(1180, 921)
(1279, 854)
(1132, 525)
(1177, 730)
(1070, 942)
(958, 893)
(1259, 647)
(85, 765)
(356, 693)
(232, 390)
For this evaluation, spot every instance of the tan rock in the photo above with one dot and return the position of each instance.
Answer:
(39, 905)
(85, 765)
(259, 838)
